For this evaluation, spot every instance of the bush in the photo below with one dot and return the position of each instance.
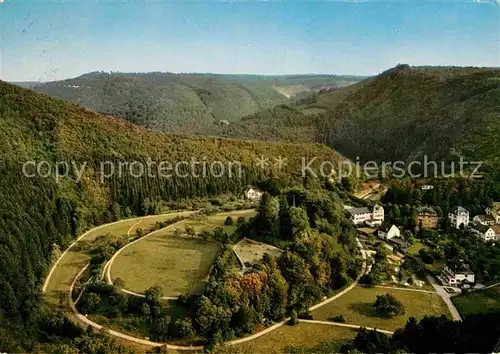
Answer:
(229, 221)
(338, 318)
(241, 220)
(388, 306)
(293, 318)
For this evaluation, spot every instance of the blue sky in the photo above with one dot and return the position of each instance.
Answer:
(50, 40)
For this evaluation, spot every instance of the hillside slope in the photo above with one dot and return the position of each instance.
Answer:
(401, 114)
(39, 214)
(406, 113)
(187, 103)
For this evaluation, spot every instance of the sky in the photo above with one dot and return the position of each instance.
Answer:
(53, 40)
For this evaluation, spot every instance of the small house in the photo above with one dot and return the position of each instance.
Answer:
(389, 231)
(485, 232)
(456, 273)
(253, 194)
(487, 220)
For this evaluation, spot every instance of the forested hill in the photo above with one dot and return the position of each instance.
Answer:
(401, 114)
(39, 215)
(187, 103)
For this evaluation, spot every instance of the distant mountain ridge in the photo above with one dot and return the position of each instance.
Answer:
(187, 103)
(401, 114)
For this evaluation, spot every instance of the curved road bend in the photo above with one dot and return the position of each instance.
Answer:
(109, 264)
(54, 266)
(85, 320)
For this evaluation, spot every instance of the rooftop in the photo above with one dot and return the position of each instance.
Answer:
(355, 211)
(458, 266)
(426, 209)
(459, 210)
(481, 228)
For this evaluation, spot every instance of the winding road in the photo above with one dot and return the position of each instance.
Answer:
(82, 318)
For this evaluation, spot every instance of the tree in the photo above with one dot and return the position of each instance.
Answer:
(388, 306)
(229, 221)
(293, 318)
(184, 327)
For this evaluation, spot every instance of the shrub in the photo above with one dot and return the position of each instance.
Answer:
(388, 306)
(229, 221)
(293, 318)
(338, 318)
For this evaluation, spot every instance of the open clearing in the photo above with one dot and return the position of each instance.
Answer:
(481, 301)
(356, 307)
(178, 265)
(74, 260)
(308, 335)
(251, 251)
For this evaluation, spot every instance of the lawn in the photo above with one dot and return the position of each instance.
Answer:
(176, 264)
(252, 252)
(416, 247)
(356, 307)
(481, 301)
(74, 260)
(307, 335)
(212, 222)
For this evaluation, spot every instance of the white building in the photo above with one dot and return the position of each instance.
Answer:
(486, 220)
(373, 216)
(459, 216)
(456, 273)
(486, 233)
(427, 187)
(253, 194)
(389, 231)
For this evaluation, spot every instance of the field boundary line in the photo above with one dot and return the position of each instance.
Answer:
(97, 326)
(406, 289)
(54, 266)
(112, 259)
(346, 325)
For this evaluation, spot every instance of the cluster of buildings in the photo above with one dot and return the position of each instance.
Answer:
(455, 272)
(486, 227)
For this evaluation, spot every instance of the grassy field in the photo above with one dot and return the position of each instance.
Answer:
(482, 301)
(356, 307)
(176, 264)
(307, 335)
(252, 252)
(74, 260)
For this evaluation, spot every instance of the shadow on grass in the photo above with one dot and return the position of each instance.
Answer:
(364, 308)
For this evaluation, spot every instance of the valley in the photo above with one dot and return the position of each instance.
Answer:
(249, 177)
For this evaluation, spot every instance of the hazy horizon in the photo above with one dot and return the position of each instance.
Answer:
(48, 41)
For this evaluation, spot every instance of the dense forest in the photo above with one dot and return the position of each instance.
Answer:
(41, 214)
(442, 112)
(320, 256)
(186, 103)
